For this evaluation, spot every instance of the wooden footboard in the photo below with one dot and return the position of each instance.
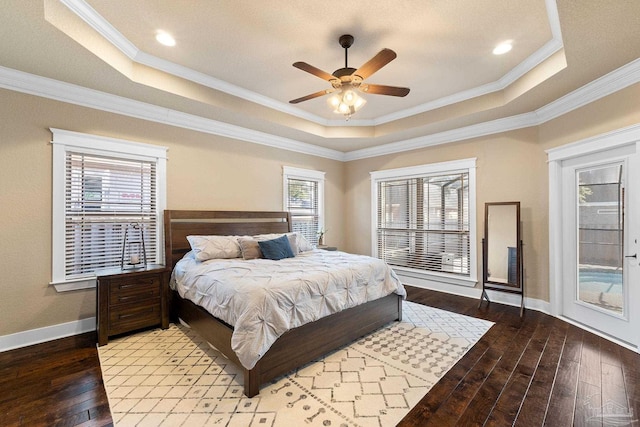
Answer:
(297, 346)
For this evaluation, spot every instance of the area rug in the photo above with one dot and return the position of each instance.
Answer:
(173, 378)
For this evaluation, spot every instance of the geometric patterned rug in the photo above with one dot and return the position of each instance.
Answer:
(172, 378)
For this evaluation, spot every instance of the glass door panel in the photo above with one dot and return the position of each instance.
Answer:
(600, 229)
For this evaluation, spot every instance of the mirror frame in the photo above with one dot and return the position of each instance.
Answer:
(494, 285)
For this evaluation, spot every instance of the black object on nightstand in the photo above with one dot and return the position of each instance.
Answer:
(131, 299)
(327, 248)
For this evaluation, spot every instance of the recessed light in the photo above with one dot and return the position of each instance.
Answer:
(165, 38)
(503, 48)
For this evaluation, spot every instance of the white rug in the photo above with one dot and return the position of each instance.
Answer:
(172, 378)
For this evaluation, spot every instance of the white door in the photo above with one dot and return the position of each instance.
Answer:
(600, 233)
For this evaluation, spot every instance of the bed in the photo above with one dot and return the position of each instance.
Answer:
(295, 347)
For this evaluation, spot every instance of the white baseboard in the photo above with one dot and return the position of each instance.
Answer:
(495, 296)
(601, 334)
(48, 333)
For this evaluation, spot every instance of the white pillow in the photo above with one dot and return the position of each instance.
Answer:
(303, 244)
(215, 247)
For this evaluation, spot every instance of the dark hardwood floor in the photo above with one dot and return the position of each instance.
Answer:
(58, 383)
(533, 371)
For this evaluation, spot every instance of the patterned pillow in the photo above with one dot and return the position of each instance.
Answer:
(214, 247)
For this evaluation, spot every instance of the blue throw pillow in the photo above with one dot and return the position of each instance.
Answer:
(276, 249)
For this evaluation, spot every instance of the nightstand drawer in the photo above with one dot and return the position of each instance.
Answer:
(128, 317)
(134, 290)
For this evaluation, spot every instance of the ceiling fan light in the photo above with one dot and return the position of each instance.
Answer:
(334, 101)
(349, 97)
(344, 108)
(346, 102)
(359, 103)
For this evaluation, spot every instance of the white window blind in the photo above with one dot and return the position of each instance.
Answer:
(303, 206)
(102, 196)
(423, 223)
(100, 186)
(304, 199)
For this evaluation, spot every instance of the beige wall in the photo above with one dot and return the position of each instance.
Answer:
(511, 167)
(203, 172)
(209, 172)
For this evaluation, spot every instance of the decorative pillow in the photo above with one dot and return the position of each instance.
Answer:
(293, 240)
(249, 248)
(276, 249)
(303, 243)
(214, 247)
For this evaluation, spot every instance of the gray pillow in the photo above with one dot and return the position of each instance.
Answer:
(249, 248)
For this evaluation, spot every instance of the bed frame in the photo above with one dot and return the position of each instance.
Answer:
(297, 346)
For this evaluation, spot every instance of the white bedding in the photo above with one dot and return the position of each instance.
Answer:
(263, 299)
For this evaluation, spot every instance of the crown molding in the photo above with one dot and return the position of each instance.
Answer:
(535, 59)
(453, 135)
(610, 83)
(606, 85)
(439, 103)
(596, 143)
(518, 71)
(85, 12)
(102, 26)
(66, 92)
(222, 86)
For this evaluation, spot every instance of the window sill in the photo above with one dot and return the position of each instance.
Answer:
(74, 285)
(433, 276)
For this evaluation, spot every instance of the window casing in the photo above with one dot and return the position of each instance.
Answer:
(100, 185)
(303, 191)
(423, 221)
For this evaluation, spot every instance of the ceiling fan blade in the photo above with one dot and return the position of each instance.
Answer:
(313, 95)
(374, 64)
(384, 90)
(313, 70)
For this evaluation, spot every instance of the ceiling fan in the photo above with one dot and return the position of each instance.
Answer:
(346, 81)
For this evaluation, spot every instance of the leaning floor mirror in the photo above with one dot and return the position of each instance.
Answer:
(502, 250)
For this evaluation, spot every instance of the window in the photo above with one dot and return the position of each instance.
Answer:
(100, 186)
(424, 220)
(304, 199)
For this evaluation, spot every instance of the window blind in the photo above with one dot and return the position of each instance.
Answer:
(303, 204)
(102, 196)
(423, 222)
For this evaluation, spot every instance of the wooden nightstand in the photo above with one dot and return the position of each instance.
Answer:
(131, 299)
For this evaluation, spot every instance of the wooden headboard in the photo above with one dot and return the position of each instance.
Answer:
(179, 224)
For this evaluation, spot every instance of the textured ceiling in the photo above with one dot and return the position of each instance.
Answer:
(233, 59)
(443, 47)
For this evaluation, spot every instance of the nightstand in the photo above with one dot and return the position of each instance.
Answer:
(131, 299)
(327, 248)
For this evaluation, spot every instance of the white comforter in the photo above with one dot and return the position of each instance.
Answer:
(263, 299)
